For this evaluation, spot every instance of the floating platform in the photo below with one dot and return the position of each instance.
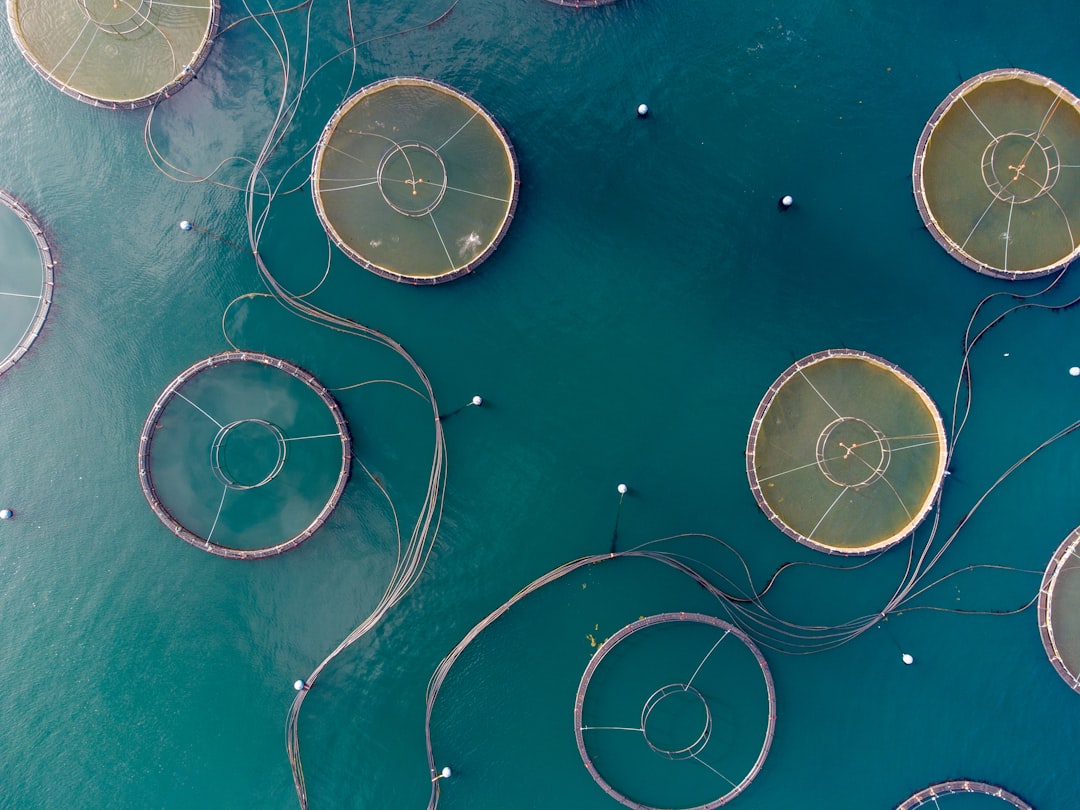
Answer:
(1059, 610)
(710, 676)
(928, 797)
(846, 452)
(26, 279)
(120, 54)
(219, 453)
(997, 174)
(414, 181)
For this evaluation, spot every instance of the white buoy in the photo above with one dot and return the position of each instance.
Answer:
(908, 658)
(1075, 371)
(299, 686)
(6, 514)
(445, 773)
(622, 489)
(478, 400)
(786, 202)
(642, 110)
(185, 225)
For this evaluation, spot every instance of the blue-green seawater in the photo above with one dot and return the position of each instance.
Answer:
(646, 295)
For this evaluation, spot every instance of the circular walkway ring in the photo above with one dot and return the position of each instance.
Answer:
(1069, 549)
(759, 417)
(47, 282)
(928, 796)
(146, 439)
(223, 436)
(621, 635)
(455, 270)
(951, 245)
(184, 73)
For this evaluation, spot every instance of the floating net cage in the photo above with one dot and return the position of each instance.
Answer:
(26, 279)
(962, 794)
(1059, 610)
(121, 54)
(676, 710)
(581, 3)
(997, 174)
(244, 455)
(846, 452)
(414, 180)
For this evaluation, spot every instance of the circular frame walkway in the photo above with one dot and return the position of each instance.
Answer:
(456, 269)
(650, 621)
(763, 503)
(930, 794)
(146, 480)
(47, 282)
(1069, 548)
(184, 73)
(951, 246)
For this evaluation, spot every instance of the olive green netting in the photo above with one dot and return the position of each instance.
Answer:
(848, 454)
(112, 50)
(1001, 175)
(1064, 613)
(413, 181)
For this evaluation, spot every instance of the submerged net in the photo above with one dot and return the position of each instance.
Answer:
(116, 53)
(244, 455)
(26, 279)
(414, 181)
(675, 710)
(1059, 610)
(846, 452)
(997, 174)
(962, 794)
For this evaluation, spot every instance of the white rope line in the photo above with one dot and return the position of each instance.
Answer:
(320, 436)
(829, 404)
(706, 658)
(813, 531)
(221, 503)
(349, 188)
(21, 295)
(333, 148)
(476, 194)
(984, 126)
(711, 768)
(612, 728)
(975, 227)
(200, 410)
(1008, 230)
(444, 143)
(1068, 225)
(441, 241)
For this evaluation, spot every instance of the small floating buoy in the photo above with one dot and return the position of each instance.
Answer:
(185, 225)
(300, 686)
(622, 489)
(642, 110)
(478, 400)
(908, 658)
(785, 202)
(6, 514)
(1075, 371)
(445, 772)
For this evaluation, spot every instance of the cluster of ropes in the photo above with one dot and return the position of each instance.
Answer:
(739, 599)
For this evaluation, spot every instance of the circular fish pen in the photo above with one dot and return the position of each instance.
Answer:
(26, 279)
(1059, 610)
(846, 452)
(962, 794)
(241, 448)
(654, 718)
(997, 174)
(581, 3)
(121, 54)
(414, 181)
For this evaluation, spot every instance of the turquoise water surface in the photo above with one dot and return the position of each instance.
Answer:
(646, 294)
